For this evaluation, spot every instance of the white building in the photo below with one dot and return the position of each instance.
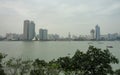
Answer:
(97, 29)
(113, 36)
(12, 36)
(21, 37)
(29, 30)
(43, 34)
(53, 37)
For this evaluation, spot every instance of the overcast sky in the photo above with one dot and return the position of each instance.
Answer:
(60, 16)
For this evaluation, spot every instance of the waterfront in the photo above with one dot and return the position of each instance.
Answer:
(49, 50)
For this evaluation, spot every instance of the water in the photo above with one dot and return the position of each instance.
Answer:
(53, 49)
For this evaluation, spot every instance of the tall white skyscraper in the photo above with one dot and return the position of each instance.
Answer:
(43, 34)
(97, 28)
(29, 30)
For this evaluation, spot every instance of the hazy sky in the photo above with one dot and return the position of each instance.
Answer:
(60, 16)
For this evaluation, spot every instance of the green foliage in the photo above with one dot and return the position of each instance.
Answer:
(92, 62)
(25, 67)
(54, 64)
(18, 66)
(39, 67)
(98, 62)
(65, 63)
(1, 67)
(39, 63)
(77, 60)
(13, 65)
(53, 68)
(117, 72)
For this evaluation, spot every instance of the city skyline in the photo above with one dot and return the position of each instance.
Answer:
(29, 34)
(75, 16)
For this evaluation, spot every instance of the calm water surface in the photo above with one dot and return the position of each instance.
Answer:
(53, 49)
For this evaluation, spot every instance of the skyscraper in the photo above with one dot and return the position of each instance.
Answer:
(26, 26)
(97, 28)
(43, 34)
(29, 30)
(92, 34)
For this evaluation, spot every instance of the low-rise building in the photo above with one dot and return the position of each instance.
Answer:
(53, 37)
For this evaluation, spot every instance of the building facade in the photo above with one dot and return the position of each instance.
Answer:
(92, 34)
(43, 34)
(29, 30)
(97, 29)
(53, 37)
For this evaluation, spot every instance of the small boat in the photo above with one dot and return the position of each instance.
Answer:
(109, 46)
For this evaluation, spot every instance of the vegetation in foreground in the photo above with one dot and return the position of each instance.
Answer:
(93, 62)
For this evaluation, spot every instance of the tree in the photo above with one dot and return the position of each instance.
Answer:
(78, 62)
(18, 66)
(39, 67)
(65, 64)
(13, 65)
(25, 67)
(99, 62)
(1, 67)
(117, 72)
(53, 68)
(92, 62)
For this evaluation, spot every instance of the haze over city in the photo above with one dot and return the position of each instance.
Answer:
(60, 16)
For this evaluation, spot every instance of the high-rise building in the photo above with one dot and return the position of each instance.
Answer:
(92, 34)
(97, 28)
(29, 30)
(26, 26)
(43, 34)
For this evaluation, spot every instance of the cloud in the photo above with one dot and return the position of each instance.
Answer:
(55, 14)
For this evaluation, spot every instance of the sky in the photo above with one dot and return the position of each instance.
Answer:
(60, 16)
